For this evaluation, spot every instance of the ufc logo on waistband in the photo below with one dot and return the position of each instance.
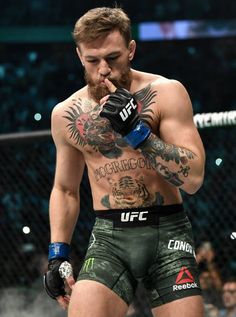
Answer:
(133, 215)
(125, 112)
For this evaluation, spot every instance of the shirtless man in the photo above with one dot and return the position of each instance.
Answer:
(135, 133)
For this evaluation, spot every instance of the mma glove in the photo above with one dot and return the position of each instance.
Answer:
(121, 110)
(58, 269)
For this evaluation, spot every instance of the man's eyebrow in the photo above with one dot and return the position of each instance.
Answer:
(113, 53)
(90, 56)
(108, 55)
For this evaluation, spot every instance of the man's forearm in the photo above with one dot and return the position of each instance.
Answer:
(64, 211)
(177, 165)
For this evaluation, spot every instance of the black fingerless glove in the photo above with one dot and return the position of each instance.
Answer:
(58, 268)
(53, 283)
(121, 110)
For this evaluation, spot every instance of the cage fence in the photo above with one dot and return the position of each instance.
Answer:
(27, 163)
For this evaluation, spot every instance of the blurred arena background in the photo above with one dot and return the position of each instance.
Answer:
(191, 41)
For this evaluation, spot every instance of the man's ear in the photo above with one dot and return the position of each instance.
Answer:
(79, 54)
(132, 49)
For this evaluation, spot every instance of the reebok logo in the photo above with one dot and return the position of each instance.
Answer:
(126, 111)
(184, 280)
(184, 276)
(131, 216)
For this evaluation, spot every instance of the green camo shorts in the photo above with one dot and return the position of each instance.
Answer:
(161, 255)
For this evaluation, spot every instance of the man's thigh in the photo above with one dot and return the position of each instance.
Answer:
(91, 298)
(191, 306)
(174, 274)
(102, 265)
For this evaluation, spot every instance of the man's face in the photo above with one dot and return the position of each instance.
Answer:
(107, 57)
(229, 294)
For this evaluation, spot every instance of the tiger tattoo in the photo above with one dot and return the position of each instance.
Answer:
(130, 193)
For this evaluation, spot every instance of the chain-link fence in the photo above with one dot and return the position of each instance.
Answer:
(26, 177)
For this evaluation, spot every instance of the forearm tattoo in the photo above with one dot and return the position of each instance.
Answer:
(155, 149)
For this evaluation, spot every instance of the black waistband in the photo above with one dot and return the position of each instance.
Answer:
(134, 217)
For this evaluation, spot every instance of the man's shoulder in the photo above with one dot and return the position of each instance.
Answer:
(168, 83)
(170, 94)
(169, 89)
(157, 81)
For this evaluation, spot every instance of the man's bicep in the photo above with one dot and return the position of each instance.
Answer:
(69, 168)
(183, 134)
(69, 160)
(177, 126)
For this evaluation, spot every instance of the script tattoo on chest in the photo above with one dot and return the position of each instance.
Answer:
(86, 127)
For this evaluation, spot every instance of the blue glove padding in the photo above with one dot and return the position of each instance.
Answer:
(58, 260)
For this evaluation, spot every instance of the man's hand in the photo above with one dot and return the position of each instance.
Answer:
(120, 108)
(58, 280)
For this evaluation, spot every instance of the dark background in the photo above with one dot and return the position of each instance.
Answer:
(36, 75)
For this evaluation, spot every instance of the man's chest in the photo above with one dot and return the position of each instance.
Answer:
(88, 131)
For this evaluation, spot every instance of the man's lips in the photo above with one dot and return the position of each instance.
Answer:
(102, 81)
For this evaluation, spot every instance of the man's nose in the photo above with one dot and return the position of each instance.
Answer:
(104, 69)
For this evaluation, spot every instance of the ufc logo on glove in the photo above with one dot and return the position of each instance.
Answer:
(121, 110)
(126, 112)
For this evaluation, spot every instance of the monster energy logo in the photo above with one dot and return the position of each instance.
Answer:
(88, 264)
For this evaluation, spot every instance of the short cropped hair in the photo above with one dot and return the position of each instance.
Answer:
(99, 22)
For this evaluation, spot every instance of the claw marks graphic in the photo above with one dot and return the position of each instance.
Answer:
(93, 238)
(88, 265)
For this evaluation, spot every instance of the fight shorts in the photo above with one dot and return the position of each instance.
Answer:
(150, 245)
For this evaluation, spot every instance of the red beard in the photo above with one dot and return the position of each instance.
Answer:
(98, 91)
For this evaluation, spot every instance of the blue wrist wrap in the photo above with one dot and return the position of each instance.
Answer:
(139, 134)
(58, 250)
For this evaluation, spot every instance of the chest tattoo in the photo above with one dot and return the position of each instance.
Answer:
(128, 192)
(86, 127)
